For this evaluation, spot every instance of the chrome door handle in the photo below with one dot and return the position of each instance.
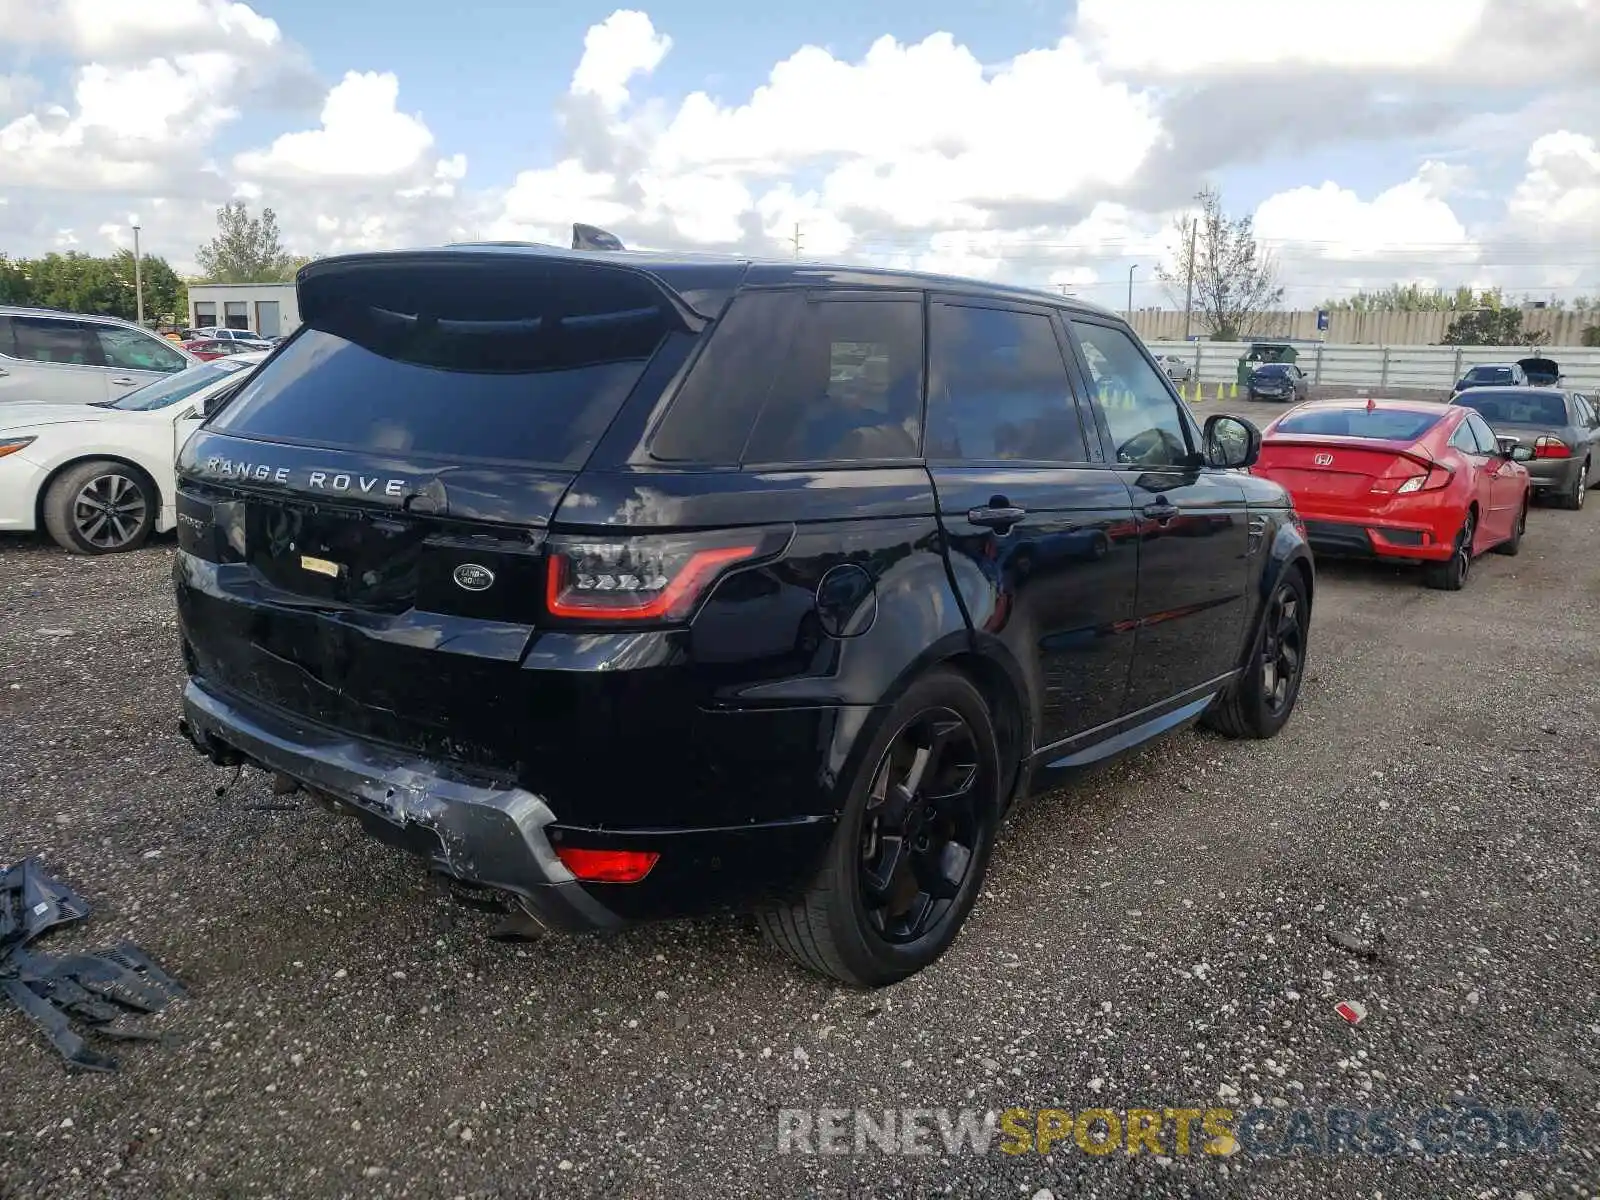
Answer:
(998, 516)
(1162, 512)
(123, 380)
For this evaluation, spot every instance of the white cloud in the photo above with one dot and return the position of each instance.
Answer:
(1560, 195)
(1181, 37)
(625, 44)
(130, 29)
(1334, 222)
(363, 136)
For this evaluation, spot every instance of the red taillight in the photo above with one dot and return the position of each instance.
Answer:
(1404, 485)
(649, 578)
(607, 866)
(1551, 447)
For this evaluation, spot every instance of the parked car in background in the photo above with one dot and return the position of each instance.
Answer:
(920, 546)
(49, 357)
(1281, 381)
(1491, 375)
(1561, 426)
(1541, 371)
(207, 349)
(99, 477)
(248, 338)
(1177, 369)
(1400, 480)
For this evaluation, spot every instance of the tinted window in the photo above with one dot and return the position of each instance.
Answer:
(44, 339)
(1487, 442)
(999, 388)
(130, 350)
(1146, 428)
(1490, 375)
(1586, 413)
(1391, 425)
(1517, 408)
(525, 362)
(1273, 371)
(847, 388)
(178, 387)
(1463, 440)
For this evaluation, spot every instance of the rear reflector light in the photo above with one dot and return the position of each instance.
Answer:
(1551, 447)
(652, 578)
(1432, 480)
(1414, 484)
(607, 866)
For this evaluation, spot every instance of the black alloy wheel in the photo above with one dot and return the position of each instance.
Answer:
(923, 826)
(1261, 699)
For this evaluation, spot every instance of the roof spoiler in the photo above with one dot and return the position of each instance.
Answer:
(592, 237)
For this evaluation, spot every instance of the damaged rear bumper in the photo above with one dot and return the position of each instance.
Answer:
(482, 834)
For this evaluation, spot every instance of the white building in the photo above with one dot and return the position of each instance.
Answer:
(269, 309)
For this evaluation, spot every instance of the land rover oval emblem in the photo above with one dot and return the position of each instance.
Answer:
(473, 577)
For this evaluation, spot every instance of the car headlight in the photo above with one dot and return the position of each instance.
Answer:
(12, 445)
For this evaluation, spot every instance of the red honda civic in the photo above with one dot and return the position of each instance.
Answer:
(1398, 479)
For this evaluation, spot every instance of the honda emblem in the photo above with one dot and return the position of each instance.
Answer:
(1323, 460)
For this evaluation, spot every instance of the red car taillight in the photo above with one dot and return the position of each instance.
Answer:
(654, 578)
(1551, 447)
(607, 866)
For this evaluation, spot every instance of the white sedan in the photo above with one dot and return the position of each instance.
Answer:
(100, 478)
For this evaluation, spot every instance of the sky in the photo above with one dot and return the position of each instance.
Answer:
(1059, 144)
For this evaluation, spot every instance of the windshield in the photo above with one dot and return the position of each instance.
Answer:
(1490, 375)
(1389, 425)
(173, 388)
(1517, 408)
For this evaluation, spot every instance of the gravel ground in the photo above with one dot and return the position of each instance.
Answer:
(1157, 936)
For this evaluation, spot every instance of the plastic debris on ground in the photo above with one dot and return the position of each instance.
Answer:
(105, 992)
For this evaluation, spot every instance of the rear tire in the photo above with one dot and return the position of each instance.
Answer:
(1572, 497)
(1513, 544)
(1259, 702)
(849, 924)
(1451, 575)
(101, 507)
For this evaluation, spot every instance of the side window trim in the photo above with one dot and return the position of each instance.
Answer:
(1071, 317)
(1075, 393)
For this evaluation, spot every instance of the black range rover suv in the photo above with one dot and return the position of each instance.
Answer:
(630, 585)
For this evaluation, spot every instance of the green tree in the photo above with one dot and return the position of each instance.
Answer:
(1591, 335)
(1409, 297)
(246, 249)
(83, 283)
(1235, 281)
(1494, 325)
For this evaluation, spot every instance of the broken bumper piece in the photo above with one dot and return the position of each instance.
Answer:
(474, 831)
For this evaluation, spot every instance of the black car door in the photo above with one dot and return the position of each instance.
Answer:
(1042, 542)
(1194, 526)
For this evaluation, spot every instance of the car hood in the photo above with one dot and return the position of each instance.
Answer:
(35, 416)
(1540, 370)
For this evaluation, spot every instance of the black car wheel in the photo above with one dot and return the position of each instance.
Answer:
(100, 507)
(912, 844)
(1572, 497)
(1258, 703)
(1451, 575)
(1513, 544)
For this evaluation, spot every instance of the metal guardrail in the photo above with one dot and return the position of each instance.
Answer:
(1434, 368)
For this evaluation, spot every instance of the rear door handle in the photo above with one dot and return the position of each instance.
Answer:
(123, 380)
(996, 516)
(1162, 512)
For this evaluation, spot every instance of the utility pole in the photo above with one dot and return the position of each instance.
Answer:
(138, 279)
(1131, 269)
(797, 239)
(1188, 294)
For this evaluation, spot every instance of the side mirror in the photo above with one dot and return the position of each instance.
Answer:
(1231, 442)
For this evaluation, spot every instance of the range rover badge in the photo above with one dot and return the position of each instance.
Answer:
(474, 578)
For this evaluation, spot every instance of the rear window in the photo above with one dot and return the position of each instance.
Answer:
(1389, 425)
(514, 360)
(794, 378)
(1272, 370)
(1517, 408)
(1490, 375)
